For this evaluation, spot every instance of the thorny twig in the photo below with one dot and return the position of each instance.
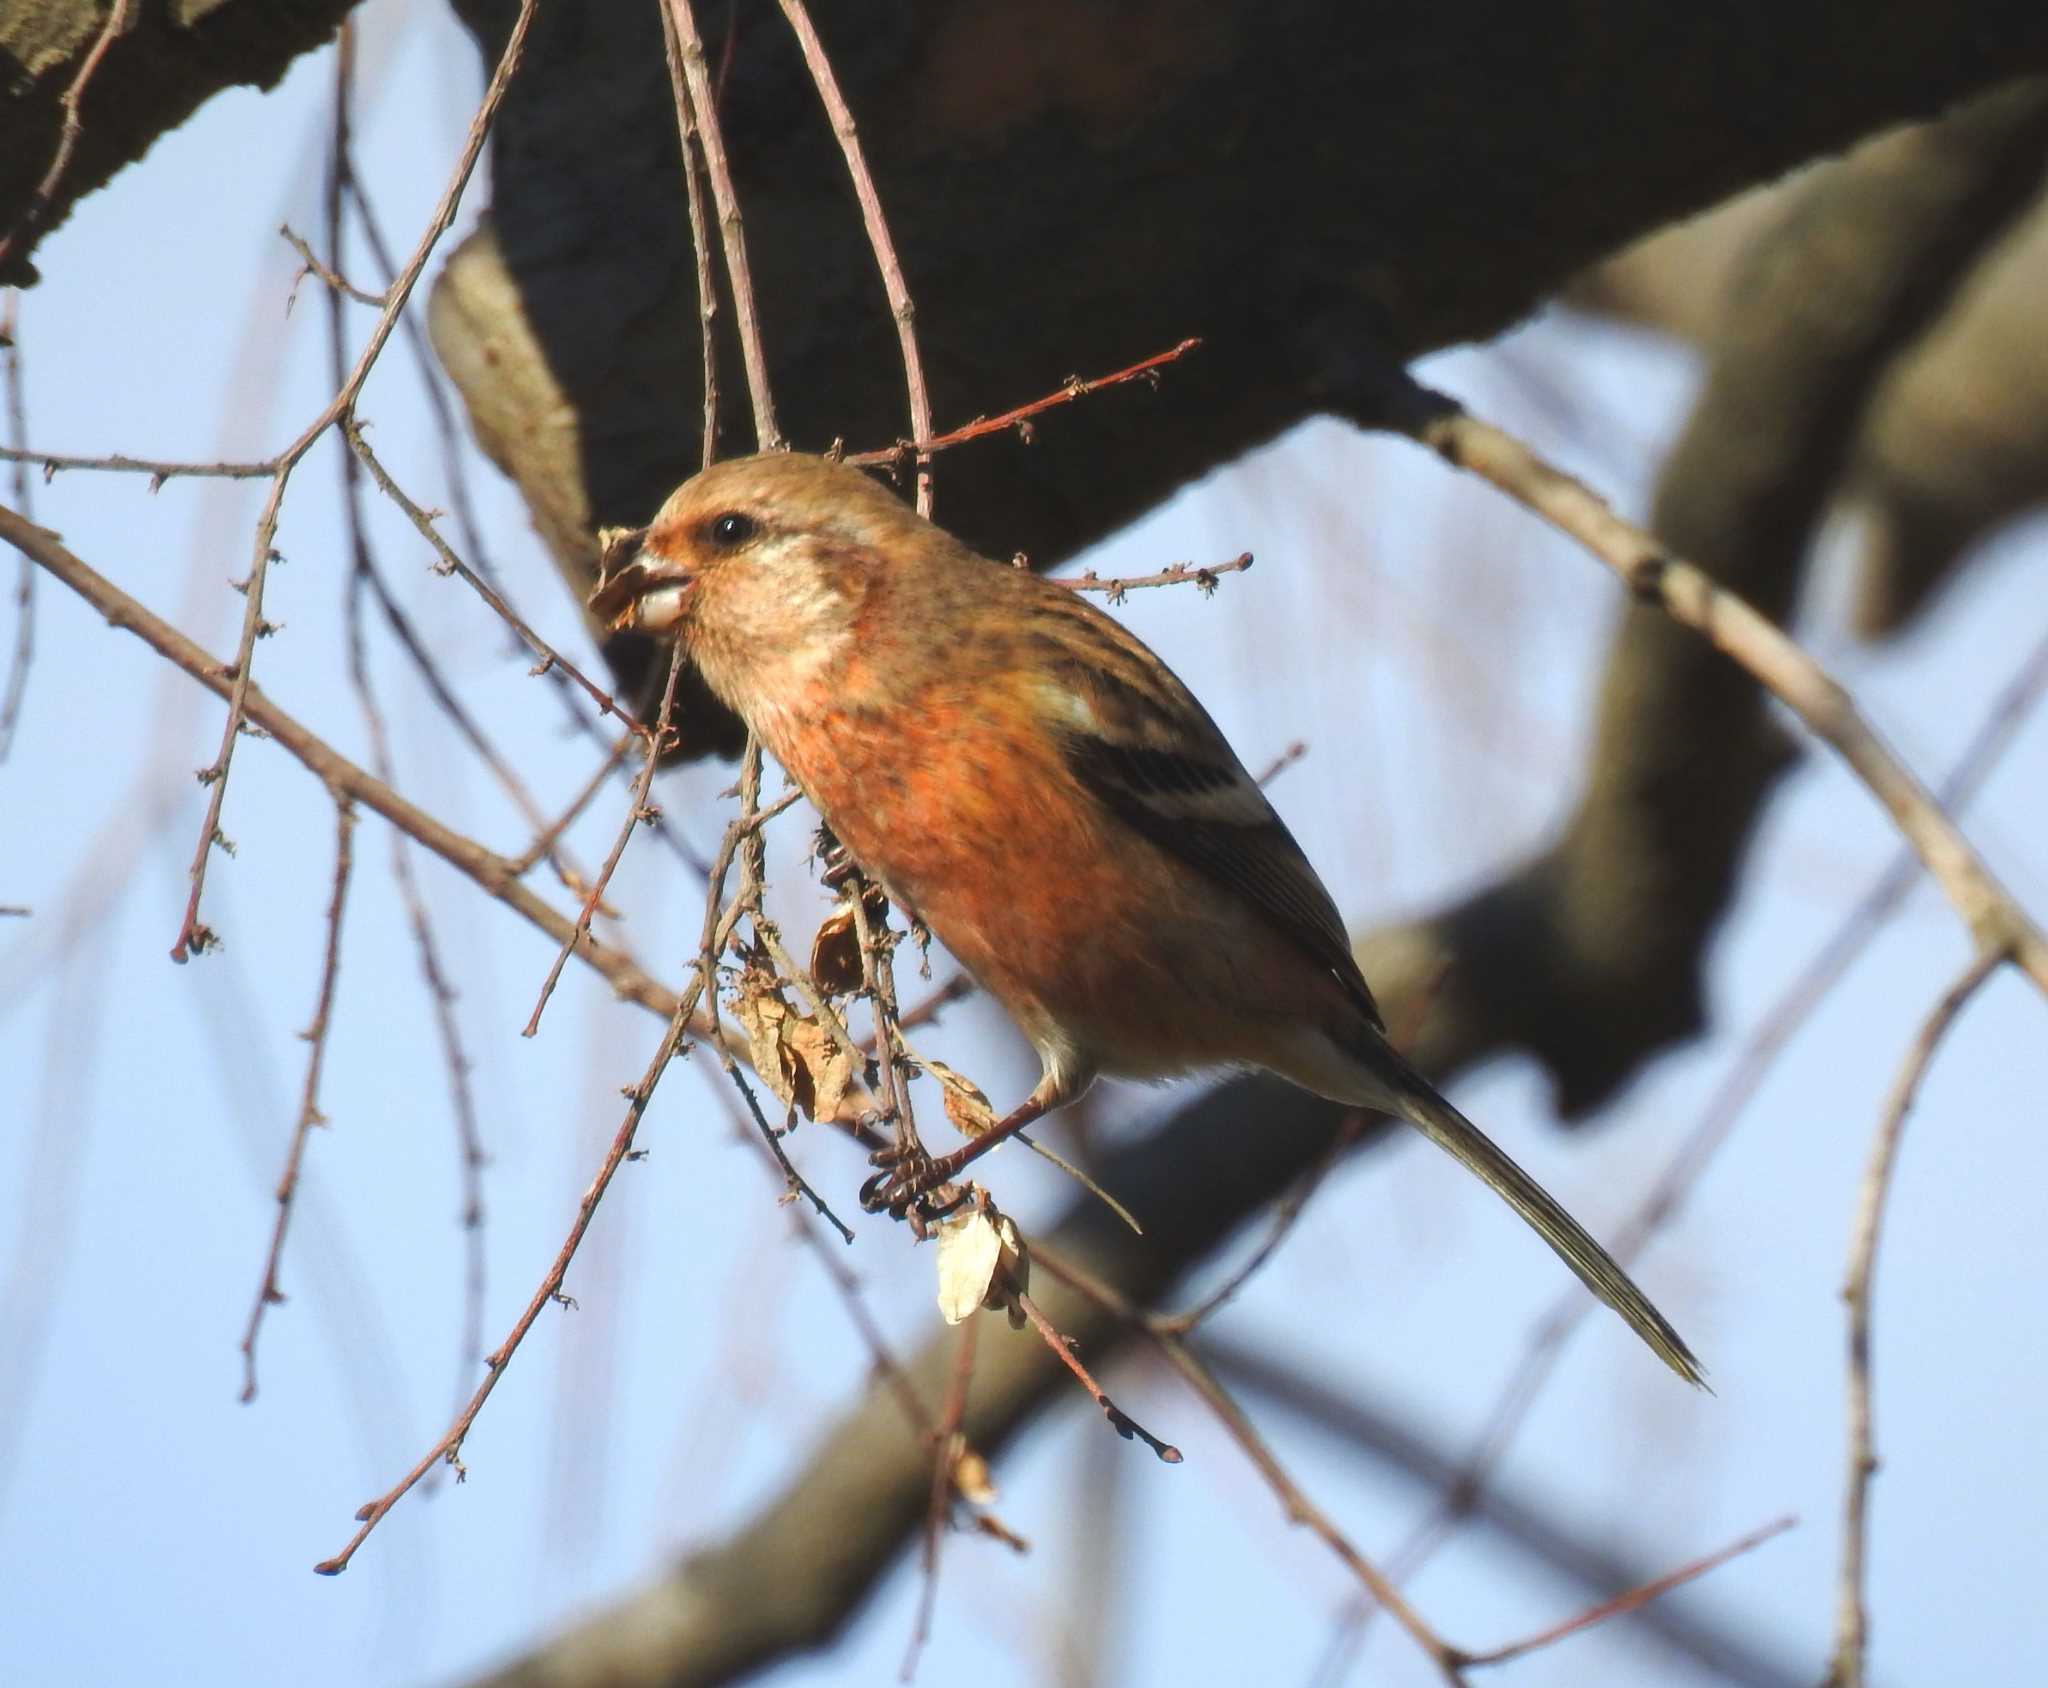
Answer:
(1202, 576)
(158, 470)
(423, 521)
(636, 812)
(192, 935)
(363, 572)
(269, 1293)
(448, 1449)
(682, 1022)
(1145, 369)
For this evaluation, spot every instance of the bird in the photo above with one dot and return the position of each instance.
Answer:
(1024, 776)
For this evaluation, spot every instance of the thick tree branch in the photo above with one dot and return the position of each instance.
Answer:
(1073, 183)
(1591, 956)
(165, 62)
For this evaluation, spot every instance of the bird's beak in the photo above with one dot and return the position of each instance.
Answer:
(642, 592)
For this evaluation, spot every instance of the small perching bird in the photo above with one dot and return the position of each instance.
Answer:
(1021, 773)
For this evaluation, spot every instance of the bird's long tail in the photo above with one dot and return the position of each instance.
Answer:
(1430, 1114)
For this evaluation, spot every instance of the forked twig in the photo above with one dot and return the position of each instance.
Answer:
(192, 935)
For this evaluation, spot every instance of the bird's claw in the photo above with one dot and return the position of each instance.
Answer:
(910, 1186)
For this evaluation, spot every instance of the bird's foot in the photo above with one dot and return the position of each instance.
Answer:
(911, 1185)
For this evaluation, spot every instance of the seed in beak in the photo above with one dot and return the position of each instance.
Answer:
(641, 596)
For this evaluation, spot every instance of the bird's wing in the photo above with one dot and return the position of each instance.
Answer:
(1136, 737)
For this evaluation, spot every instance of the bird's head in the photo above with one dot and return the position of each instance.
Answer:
(763, 567)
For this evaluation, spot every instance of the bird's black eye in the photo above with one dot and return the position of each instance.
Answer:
(732, 530)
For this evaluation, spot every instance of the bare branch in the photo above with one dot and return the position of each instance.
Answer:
(191, 934)
(16, 408)
(877, 226)
(1691, 598)
(1851, 1621)
(1145, 369)
(700, 231)
(704, 111)
(269, 1293)
(1634, 1599)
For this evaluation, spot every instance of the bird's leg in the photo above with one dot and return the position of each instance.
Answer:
(901, 1185)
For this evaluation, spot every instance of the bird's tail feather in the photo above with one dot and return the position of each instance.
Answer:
(1430, 1114)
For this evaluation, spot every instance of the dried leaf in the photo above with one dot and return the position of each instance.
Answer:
(982, 1263)
(824, 1072)
(966, 1106)
(793, 1053)
(835, 954)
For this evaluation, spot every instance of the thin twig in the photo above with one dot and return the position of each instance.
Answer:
(423, 521)
(1020, 418)
(704, 112)
(31, 217)
(545, 841)
(700, 236)
(269, 1293)
(363, 572)
(496, 875)
(336, 282)
(877, 225)
(449, 1448)
(16, 689)
(1300, 1509)
(1851, 1620)
(1284, 1219)
(342, 189)
(947, 1446)
(1996, 922)
(1202, 575)
(192, 935)
(1773, 1034)
(878, 971)
(157, 469)
(455, 464)
(636, 812)
(743, 842)
(1119, 1420)
(1633, 1600)
(1293, 1499)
